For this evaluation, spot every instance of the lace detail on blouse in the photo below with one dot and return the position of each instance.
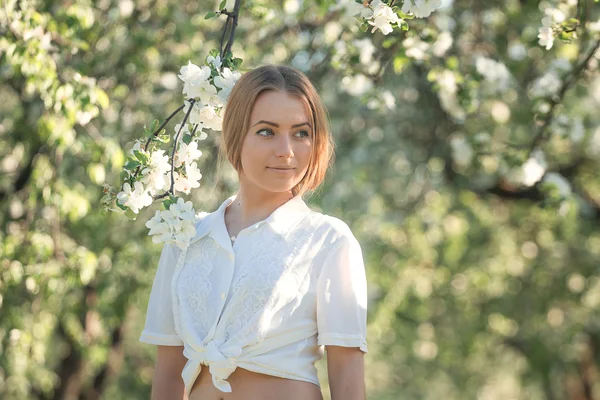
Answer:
(194, 284)
(258, 290)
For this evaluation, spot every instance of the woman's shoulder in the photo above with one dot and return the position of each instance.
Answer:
(329, 224)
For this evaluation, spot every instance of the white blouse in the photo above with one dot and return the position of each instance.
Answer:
(268, 303)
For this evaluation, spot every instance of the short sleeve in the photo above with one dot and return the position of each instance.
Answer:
(159, 328)
(342, 296)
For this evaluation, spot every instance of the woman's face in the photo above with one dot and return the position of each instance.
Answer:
(277, 147)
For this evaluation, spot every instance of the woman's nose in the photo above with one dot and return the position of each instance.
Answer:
(284, 147)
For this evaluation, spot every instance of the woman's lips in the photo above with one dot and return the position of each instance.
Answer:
(283, 170)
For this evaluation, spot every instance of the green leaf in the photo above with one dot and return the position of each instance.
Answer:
(405, 16)
(141, 156)
(187, 139)
(132, 164)
(210, 15)
(154, 125)
(452, 63)
(237, 62)
(222, 5)
(168, 201)
(162, 137)
(400, 62)
(102, 97)
(432, 75)
(121, 206)
(566, 36)
(571, 22)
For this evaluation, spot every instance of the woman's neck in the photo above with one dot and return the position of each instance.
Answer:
(252, 206)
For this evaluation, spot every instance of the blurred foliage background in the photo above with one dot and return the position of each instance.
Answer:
(467, 165)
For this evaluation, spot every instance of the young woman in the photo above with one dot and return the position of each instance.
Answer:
(244, 312)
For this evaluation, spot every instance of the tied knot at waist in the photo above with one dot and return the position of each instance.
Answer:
(219, 365)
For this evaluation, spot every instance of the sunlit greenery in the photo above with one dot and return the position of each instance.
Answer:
(467, 160)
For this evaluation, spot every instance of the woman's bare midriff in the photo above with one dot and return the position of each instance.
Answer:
(248, 385)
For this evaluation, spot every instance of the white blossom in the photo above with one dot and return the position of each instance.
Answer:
(210, 118)
(192, 73)
(195, 117)
(494, 72)
(546, 85)
(516, 50)
(186, 153)
(196, 82)
(421, 8)
(447, 81)
(215, 61)
(188, 181)
(546, 37)
(416, 48)
(383, 17)
(175, 225)
(182, 209)
(159, 230)
(534, 168)
(545, 32)
(388, 99)
(560, 182)
(561, 65)
(193, 174)
(225, 82)
(356, 85)
(448, 89)
(442, 44)
(366, 49)
(153, 175)
(134, 199)
(554, 15)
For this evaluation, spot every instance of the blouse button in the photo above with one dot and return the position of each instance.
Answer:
(223, 296)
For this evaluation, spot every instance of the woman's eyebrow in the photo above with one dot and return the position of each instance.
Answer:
(277, 125)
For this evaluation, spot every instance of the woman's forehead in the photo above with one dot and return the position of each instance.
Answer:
(280, 108)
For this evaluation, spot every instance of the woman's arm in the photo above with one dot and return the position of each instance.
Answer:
(167, 383)
(346, 371)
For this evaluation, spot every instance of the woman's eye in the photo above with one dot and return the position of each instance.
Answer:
(303, 134)
(264, 130)
(269, 132)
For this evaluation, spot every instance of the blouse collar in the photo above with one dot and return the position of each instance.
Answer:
(282, 220)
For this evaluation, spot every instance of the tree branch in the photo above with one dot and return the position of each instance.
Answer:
(542, 133)
(232, 19)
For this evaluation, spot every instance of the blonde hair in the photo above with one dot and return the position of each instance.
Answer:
(236, 119)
